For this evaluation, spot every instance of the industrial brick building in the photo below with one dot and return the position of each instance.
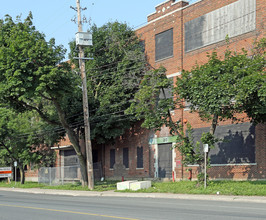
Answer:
(176, 36)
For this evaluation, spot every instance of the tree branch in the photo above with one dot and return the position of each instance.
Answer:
(9, 152)
(42, 115)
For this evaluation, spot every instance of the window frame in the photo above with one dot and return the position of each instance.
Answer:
(112, 161)
(140, 160)
(161, 46)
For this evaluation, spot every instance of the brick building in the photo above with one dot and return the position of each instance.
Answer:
(176, 36)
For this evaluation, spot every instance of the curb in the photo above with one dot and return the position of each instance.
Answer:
(253, 199)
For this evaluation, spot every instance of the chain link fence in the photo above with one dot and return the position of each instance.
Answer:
(66, 174)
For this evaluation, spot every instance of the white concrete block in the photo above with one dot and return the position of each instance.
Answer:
(140, 185)
(124, 185)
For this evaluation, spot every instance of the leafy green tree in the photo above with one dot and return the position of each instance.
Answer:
(225, 86)
(20, 142)
(113, 78)
(151, 103)
(32, 78)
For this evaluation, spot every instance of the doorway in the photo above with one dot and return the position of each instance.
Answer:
(165, 160)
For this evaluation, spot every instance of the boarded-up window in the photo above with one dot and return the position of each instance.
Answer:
(112, 158)
(237, 143)
(231, 20)
(70, 158)
(125, 157)
(164, 45)
(140, 157)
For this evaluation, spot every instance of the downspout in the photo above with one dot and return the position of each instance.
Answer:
(182, 67)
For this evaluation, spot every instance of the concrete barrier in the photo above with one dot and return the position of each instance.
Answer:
(124, 185)
(140, 185)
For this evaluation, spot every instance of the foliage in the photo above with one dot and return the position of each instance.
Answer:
(251, 92)
(225, 86)
(18, 140)
(113, 77)
(152, 104)
(32, 78)
(189, 149)
(201, 179)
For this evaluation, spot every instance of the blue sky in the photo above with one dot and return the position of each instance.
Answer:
(53, 17)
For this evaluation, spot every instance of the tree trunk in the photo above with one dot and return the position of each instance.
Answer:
(212, 131)
(22, 173)
(75, 142)
(214, 124)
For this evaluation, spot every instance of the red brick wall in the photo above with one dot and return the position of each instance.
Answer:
(132, 139)
(171, 17)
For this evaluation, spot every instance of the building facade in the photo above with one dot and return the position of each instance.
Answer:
(177, 36)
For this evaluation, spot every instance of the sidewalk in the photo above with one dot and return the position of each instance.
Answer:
(254, 199)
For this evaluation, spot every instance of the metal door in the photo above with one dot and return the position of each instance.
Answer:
(165, 160)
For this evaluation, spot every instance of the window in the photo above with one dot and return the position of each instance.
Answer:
(140, 157)
(112, 158)
(164, 45)
(95, 156)
(95, 159)
(142, 45)
(125, 157)
(70, 158)
(167, 93)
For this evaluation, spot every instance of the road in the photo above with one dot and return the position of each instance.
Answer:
(15, 205)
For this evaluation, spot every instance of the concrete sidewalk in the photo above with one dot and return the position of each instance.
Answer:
(254, 199)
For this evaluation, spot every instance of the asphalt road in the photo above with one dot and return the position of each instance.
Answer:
(15, 205)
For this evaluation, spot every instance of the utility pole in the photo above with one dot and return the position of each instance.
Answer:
(85, 105)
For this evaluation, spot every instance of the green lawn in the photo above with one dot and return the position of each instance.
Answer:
(247, 188)
(99, 186)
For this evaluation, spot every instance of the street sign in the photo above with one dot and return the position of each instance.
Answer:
(205, 148)
(5, 172)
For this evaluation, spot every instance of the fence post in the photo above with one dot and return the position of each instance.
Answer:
(50, 177)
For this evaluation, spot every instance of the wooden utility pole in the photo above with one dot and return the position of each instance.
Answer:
(85, 106)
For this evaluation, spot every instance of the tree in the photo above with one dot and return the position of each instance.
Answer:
(20, 142)
(216, 90)
(113, 78)
(33, 78)
(225, 86)
(152, 104)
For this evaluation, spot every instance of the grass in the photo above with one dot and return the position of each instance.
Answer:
(99, 186)
(244, 188)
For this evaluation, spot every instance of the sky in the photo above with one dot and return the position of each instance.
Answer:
(53, 17)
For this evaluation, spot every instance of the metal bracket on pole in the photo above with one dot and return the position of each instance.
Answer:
(82, 58)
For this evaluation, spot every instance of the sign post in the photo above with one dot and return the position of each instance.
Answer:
(15, 165)
(205, 149)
